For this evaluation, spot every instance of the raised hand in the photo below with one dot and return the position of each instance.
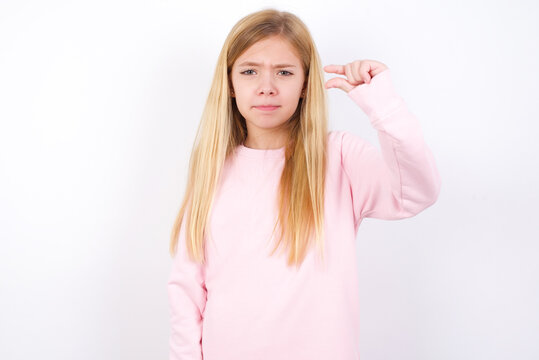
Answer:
(357, 72)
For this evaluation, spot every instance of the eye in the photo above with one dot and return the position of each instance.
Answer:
(287, 73)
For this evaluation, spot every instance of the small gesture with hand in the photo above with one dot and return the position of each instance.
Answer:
(357, 72)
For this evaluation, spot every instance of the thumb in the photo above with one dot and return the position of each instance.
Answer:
(339, 82)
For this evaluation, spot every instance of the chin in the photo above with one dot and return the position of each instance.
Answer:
(266, 123)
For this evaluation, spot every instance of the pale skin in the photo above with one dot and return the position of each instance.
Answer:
(264, 83)
(357, 72)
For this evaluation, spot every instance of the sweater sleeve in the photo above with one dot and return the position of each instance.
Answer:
(187, 300)
(399, 180)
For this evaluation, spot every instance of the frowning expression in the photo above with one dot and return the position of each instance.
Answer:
(267, 81)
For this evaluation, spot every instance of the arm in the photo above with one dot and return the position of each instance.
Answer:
(402, 179)
(187, 300)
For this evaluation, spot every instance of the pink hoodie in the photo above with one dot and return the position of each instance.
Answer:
(244, 304)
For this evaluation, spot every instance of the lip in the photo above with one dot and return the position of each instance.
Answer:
(267, 107)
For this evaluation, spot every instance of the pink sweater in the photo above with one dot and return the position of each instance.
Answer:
(246, 305)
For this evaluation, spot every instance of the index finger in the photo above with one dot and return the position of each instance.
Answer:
(337, 69)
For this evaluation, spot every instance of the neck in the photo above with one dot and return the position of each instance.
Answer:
(265, 142)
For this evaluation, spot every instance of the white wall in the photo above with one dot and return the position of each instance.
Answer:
(99, 103)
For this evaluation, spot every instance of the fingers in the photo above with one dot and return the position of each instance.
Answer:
(340, 83)
(364, 72)
(357, 75)
(356, 72)
(336, 69)
(349, 71)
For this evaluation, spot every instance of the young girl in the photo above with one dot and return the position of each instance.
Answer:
(264, 160)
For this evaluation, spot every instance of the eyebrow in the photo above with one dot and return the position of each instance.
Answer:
(250, 63)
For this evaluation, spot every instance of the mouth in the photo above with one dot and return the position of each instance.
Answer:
(266, 107)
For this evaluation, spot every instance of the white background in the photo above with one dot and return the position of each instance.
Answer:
(99, 104)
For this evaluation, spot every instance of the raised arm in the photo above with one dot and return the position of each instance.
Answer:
(401, 180)
(187, 300)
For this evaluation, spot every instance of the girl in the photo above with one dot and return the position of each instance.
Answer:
(263, 160)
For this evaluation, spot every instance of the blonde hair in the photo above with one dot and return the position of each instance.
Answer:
(222, 128)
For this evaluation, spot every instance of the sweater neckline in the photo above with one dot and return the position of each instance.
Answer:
(260, 153)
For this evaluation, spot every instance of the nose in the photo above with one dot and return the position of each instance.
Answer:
(266, 85)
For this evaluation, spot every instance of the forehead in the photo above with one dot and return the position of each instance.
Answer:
(270, 51)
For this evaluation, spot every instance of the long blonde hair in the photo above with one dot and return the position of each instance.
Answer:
(222, 128)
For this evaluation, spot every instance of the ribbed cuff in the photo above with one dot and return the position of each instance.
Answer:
(378, 98)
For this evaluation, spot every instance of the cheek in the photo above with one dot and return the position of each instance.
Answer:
(293, 95)
(242, 102)
(296, 89)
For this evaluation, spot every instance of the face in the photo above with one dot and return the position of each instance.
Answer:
(267, 73)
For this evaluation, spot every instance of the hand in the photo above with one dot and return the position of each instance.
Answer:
(357, 72)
